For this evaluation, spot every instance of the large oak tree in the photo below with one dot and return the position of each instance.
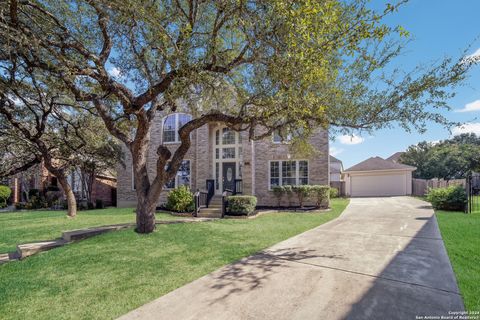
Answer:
(253, 65)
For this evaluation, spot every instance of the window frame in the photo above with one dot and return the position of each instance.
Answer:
(288, 139)
(176, 176)
(176, 127)
(280, 172)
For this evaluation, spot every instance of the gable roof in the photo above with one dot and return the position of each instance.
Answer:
(395, 157)
(377, 163)
(333, 159)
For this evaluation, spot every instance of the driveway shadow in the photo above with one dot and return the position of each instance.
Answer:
(418, 281)
(252, 272)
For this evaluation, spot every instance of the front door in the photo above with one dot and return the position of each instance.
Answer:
(228, 176)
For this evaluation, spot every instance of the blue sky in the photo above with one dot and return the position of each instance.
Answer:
(438, 28)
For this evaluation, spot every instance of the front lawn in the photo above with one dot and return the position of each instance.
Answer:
(29, 226)
(106, 276)
(461, 235)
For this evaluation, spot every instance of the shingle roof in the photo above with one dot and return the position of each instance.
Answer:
(395, 157)
(333, 159)
(377, 163)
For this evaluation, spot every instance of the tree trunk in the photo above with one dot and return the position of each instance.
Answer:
(71, 202)
(145, 215)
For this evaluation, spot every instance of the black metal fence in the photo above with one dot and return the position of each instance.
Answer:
(473, 193)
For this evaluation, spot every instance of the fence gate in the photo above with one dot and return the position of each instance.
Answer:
(473, 193)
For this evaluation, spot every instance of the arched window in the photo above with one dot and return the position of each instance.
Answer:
(171, 125)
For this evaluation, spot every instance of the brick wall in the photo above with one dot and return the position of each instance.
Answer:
(256, 158)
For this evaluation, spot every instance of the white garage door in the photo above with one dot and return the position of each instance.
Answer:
(379, 185)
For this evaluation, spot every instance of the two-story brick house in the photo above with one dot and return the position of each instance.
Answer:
(229, 160)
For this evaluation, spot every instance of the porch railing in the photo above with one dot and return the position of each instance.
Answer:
(200, 199)
(203, 198)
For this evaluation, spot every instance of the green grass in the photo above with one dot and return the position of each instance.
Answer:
(461, 235)
(106, 276)
(28, 226)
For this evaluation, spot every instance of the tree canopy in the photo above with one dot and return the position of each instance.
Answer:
(253, 65)
(453, 158)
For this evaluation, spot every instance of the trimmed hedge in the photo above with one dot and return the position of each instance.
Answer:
(453, 198)
(5, 193)
(241, 205)
(302, 192)
(180, 200)
(320, 193)
(333, 193)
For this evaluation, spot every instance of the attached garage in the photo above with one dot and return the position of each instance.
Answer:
(377, 177)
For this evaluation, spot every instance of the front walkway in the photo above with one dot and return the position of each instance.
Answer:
(382, 259)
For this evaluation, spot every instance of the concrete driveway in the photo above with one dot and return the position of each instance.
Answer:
(382, 259)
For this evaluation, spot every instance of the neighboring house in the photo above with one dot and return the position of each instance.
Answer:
(336, 168)
(336, 178)
(395, 157)
(38, 177)
(228, 160)
(378, 177)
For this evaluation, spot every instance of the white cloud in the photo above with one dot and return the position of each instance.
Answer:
(472, 58)
(115, 72)
(350, 139)
(470, 127)
(334, 151)
(475, 54)
(472, 106)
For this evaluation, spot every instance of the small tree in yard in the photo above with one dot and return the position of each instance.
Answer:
(101, 154)
(252, 65)
(39, 125)
(5, 193)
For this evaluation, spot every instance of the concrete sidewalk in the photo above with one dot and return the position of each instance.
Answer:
(382, 259)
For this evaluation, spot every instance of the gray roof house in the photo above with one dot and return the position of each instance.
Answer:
(378, 177)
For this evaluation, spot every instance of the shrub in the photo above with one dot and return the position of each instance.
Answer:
(33, 193)
(5, 193)
(278, 192)
(99, 204)
(322, 195)
(52, 197)
(19, 205)
(180, 199)
(302, 192)
(333, 193)
(36, 202)
(449, 198)
(241, 205)
(288, 191)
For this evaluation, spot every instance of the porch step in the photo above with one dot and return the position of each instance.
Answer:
(217, 200)
(210, 212)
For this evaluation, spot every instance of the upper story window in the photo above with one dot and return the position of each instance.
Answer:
(172, 124)
(277, 138)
